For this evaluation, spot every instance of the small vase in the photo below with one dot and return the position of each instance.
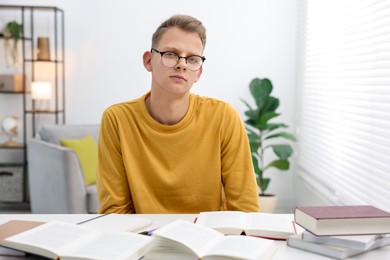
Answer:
(43, 48)
(268, 203)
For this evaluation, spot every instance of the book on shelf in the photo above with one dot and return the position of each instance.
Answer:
(61, 240)
(184, 240)
(337, 252)
(343, 220)
(268, 225)
(356, 241)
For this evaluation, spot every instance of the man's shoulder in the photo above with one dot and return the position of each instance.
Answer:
(218, 106)
(209, 101)
(125, 105)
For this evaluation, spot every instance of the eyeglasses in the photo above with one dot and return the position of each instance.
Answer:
(170, 59)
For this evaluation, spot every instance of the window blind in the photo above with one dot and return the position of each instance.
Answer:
(344, 105)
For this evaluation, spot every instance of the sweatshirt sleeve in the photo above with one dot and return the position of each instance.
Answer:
(112, 185)
(237, 170)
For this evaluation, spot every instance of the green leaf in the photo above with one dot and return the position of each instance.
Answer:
(258, 171)
(253, 137)
(267, 116)
(271, 104)
(282, 134)
(263, 184)
(283, 151)
(279, 164)
(271, 127)
(254, 147)
(252, 131)
(253, 115)
(260, 90)
(13, 30)
(261, 126)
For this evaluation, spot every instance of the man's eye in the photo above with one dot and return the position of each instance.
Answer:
(170, 55)
(193, 60)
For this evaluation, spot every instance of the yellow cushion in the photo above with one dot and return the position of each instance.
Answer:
(86, 150)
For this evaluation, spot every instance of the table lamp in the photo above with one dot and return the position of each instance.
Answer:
(41, 91)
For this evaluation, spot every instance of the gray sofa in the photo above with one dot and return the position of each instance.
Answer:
(56, 181)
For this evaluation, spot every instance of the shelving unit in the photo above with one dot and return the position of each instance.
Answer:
(33, 19)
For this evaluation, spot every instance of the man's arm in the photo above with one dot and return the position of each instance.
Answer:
(237, 170)
(113, 188)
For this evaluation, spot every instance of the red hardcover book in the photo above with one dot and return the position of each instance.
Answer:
(343, 220)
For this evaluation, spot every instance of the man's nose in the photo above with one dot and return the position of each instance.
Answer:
(181, 63)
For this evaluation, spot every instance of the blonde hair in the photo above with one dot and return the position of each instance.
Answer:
(184, 22)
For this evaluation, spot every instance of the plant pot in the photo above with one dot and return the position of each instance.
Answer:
(268, 203)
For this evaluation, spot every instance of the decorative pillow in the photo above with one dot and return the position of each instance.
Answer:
(86, 150)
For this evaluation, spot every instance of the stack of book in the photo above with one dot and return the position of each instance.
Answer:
(341, 231)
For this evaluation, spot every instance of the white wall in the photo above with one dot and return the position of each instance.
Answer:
(105, 41)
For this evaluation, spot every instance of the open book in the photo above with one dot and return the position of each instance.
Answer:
(183, 240)
(117, 222)
(274, 226)
(60, 240)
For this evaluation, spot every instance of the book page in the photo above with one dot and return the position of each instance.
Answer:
(227, 222)
(109, 246)
(49, 238)
(243, 247)
(117, 223)
(269, 221)
(195, 237)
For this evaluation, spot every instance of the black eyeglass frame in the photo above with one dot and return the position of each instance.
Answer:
(203, 58)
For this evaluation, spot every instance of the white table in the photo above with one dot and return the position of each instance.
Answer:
(283, 253)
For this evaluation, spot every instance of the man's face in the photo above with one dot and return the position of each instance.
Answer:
(177, 80)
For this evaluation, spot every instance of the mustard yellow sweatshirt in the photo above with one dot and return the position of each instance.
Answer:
(147, 167)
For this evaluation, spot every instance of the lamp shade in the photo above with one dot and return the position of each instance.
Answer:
(40, 90)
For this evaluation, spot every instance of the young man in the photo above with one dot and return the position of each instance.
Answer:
(170, 151)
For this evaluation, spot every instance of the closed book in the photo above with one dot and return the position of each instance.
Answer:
(343, 220)
(337, 252)
(356, 241)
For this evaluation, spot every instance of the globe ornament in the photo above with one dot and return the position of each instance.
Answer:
(10, 127)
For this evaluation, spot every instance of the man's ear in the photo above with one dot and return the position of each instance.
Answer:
(147, 59)
(198, 74)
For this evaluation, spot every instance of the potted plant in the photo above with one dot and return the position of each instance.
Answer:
(263, 135)
(13, 31)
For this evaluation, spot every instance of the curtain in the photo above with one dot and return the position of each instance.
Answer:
(344, 100)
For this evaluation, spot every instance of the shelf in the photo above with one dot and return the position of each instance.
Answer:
(43, 8)
(52, 61)
(41, 111)
(20, 146)
(22, 38)
(11, 92)
(16, 164)
(34, 70)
